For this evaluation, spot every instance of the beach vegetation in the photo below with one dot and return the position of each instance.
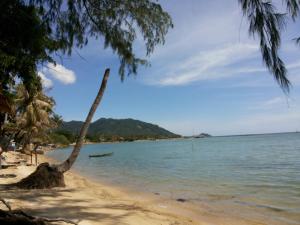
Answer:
(115, 130)
(34, 116)
(37, 31)
(59, 139)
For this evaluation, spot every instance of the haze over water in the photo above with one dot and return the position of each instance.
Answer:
(256, 176)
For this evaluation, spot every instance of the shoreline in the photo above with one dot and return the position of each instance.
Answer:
(85, 200)
(94, 202)
(155, 203)
(117, 142)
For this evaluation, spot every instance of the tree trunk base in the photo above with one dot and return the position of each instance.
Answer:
(44, 177)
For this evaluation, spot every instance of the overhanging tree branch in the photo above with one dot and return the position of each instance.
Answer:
(267, 24)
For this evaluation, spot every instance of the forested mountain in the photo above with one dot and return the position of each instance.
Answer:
(116, 130)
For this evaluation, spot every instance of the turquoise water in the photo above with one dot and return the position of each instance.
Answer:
(260, 173)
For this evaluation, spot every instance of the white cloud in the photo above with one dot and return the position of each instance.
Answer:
(59, 72)
(294, 65)
(276, 103)
(201, 25)
(206, 43)
(294, 73)
(46, 82)
(211, 64)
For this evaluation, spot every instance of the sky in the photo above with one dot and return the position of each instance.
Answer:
(207, 77)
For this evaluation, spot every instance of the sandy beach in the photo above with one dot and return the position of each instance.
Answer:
(89, 202)
(83, 201)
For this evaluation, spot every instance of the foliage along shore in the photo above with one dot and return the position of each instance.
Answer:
(59, 140)
(110, 130)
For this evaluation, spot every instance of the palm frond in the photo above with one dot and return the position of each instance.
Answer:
(34, 118)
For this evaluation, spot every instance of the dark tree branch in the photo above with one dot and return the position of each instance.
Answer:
(20, 213)
(6, 204)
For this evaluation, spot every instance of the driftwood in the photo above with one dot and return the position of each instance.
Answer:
(20, 217)
(101, 155)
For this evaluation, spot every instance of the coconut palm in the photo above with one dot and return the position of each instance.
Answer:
(34, 115)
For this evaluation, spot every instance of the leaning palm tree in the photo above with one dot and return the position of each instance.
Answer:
(48, 176)
(66, 165)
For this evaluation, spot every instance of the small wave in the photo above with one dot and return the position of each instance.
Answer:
(268, 186)
(268, 207)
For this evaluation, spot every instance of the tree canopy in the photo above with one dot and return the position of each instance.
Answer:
(24, 43)
(31, 31)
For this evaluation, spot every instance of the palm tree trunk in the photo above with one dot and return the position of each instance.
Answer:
(66, 165)
(36, 158)
(35, 152)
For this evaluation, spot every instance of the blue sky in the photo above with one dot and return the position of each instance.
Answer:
(208, 77)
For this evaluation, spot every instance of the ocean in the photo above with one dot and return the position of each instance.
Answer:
(255, 176)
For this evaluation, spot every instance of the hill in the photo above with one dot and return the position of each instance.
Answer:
(117, 130)
(202, 135)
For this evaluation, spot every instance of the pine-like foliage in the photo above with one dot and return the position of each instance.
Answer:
(117, 22)
(266, 23)
(30, 30)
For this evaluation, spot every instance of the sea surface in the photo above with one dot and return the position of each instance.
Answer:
(256, 176)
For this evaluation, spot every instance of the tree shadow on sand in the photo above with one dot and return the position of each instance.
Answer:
(62, 202)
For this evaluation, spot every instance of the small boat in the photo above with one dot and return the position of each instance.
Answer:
(101, 155)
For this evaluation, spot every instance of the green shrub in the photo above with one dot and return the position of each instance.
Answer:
(59, 139)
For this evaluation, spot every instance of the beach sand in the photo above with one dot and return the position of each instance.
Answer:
(89, 202)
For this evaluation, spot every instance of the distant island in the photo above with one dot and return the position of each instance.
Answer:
(111, 130)
(202, 135)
